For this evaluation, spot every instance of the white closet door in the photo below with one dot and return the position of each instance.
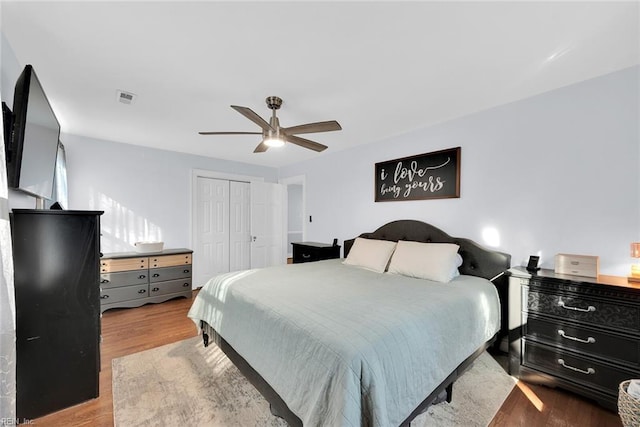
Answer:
(212, 218)
(239, 226)
(268, 220)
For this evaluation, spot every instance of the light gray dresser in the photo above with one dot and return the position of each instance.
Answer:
(132, 279)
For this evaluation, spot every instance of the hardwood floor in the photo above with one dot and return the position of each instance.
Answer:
(127, 331)
(531, 405)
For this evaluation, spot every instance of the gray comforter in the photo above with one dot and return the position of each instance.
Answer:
(345, 346)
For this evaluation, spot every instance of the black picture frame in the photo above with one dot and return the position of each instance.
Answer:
(434, 175)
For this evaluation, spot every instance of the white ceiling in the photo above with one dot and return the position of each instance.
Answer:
(379, 68)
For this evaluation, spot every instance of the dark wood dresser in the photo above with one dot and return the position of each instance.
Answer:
(574, 332)
(312, 251)
(56, 257)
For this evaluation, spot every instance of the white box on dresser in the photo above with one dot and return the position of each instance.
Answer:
(578, 265)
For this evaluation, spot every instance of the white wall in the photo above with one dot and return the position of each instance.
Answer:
(555, 173)
(10, 69)
(145, 193)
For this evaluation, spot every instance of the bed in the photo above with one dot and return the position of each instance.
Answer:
(333, 343)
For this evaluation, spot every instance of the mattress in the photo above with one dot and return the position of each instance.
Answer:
(346, 346)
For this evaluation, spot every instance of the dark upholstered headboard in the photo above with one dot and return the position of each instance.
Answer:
(476, 260)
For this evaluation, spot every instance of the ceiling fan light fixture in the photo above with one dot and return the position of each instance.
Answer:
(275, 136)
(273, 142)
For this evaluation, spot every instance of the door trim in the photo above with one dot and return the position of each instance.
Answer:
(302, 180)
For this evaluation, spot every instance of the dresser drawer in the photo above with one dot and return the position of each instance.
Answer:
(114, 265)
(170, 287)
(123, 278)
(305, 255)
(169, 260)
(584, 339)
(314, 252)
(109, 296)
(577, 369)
(584, 309)
(169, 273)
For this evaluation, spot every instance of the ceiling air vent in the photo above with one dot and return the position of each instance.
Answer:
(125, 97)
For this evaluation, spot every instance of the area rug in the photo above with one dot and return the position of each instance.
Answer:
(185, 384)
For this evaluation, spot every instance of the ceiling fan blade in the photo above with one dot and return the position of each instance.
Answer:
(230, 133)
(305, 143)
(327, 126)
(261, 148)
(254, 117)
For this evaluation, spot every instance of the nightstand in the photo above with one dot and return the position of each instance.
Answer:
(578, 333)
(312, 251)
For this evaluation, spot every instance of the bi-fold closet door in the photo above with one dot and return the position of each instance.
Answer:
(237, 225)
(224, 224)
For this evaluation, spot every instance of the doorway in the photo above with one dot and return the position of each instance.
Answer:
(296, 212)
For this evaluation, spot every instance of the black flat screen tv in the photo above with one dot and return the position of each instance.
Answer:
(33, 145)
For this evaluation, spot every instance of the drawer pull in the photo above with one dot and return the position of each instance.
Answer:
(104, 296)
(584, 310)
(155, 289)
(104, 281)
(185, 285)
(142, 291)
(306, 256)
(589, 371)
(142, 276)
(186, 270)
(589, 340)
(156, 275)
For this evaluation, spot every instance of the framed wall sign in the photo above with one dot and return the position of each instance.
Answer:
(433, 175)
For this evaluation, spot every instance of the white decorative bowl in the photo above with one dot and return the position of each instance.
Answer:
(145, 247)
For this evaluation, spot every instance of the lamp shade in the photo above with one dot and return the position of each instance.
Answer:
(635, 250)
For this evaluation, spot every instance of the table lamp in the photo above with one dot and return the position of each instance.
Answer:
(635, 268)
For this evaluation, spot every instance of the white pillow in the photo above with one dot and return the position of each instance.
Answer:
(371, 254)
(432, 261)
(458, 263)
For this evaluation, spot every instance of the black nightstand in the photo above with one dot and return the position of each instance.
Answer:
(577, 333)
(312, 251)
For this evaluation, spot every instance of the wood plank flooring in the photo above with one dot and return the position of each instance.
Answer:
(127, 331)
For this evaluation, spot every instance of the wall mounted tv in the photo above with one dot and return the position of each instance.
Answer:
(33, 143)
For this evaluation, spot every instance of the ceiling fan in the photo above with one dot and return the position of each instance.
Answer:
(275, 136)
